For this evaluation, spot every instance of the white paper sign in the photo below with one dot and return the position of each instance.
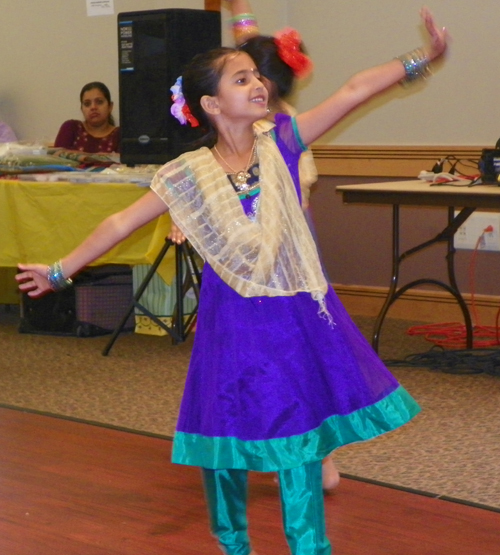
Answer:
(100, 7)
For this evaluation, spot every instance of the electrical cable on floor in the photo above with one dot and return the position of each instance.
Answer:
(449, 353)
(463, 361)
(454, 335)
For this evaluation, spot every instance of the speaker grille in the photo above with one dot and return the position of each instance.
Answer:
(153, 48)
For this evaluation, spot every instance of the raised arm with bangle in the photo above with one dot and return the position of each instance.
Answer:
(243, 23)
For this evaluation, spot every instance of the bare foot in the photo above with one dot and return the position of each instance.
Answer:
(330, 474)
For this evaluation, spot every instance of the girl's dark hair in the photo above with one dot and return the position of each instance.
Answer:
(264, 52)
(105, 92)
(202, 77)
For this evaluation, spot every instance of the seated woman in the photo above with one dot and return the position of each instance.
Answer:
(97, 132)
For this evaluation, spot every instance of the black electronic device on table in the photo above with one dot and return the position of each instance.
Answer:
(489, 164)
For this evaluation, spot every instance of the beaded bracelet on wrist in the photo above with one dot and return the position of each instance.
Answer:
(416, 66)
(56, 278)
(243, 17)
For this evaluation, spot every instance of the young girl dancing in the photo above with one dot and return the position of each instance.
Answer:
(280, 62)
(279, 375)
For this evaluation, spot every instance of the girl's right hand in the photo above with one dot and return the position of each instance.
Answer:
(33, 279)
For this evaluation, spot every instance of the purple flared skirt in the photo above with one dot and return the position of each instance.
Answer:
(272, 385)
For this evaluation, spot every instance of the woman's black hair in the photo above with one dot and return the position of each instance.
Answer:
(202, 77)
(105, 92)
(264, 52)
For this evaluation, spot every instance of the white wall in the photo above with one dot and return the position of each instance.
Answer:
(457, 106)
(50, 49)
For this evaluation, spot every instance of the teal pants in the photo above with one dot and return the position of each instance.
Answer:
(302, 509)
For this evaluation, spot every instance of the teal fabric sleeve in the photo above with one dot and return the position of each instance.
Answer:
(303, 510)
(297, 134)
(226, 495)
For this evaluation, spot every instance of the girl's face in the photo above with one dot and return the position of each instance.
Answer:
(242, 94)
(95, 108)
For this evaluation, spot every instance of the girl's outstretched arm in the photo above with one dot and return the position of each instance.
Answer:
(110, 232)
(367, 84)
(243, 22)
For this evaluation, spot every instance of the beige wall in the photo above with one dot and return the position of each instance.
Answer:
(50, 49)
(456, 107)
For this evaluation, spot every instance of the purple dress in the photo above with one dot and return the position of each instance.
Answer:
(271, 385)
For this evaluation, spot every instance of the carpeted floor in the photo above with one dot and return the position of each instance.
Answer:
(451, 449)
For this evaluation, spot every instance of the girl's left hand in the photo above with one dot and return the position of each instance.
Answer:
(33, 279)
(176, 235)
(438, 35)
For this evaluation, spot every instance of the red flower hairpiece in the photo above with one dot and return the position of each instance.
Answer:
(288, 42)
(189, 116)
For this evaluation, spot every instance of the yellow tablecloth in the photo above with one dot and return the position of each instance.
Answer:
(41, 222)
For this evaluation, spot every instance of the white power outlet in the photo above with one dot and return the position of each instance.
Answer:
(472, 229)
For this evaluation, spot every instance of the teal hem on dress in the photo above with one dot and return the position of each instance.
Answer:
(269, 455)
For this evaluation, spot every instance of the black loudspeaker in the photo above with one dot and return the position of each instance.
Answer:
(153, 48)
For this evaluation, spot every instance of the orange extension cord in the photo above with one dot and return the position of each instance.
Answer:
(453, 335)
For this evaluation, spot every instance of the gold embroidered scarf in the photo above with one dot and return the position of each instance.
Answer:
(275, 255)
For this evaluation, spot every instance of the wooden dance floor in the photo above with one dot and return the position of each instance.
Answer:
(70, 488)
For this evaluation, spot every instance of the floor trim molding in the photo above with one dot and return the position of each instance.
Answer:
(416, 305)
